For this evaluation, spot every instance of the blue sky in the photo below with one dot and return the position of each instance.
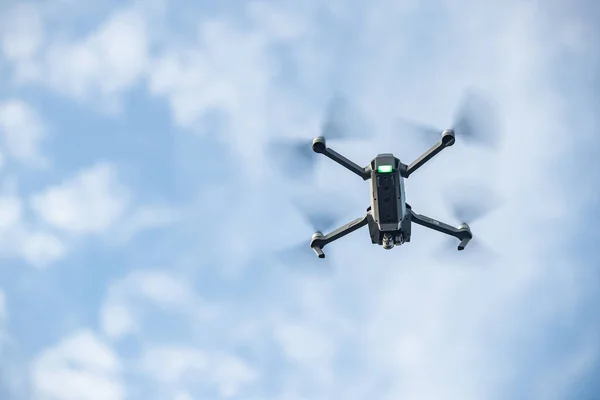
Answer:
(139, 214)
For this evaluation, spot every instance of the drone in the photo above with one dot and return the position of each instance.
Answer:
(389, 217)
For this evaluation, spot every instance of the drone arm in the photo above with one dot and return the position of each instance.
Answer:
(428, 155)
(318, 243)
(464, 235)
(321, 148)
(446, 141)
(344, 162)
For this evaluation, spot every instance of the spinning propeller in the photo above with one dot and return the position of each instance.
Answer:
(296, 157)
(469, 204)
(475, 122)
(317, 217)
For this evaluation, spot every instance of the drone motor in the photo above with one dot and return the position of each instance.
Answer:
(448, 137)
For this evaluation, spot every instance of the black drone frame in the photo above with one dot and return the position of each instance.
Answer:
(462, 232)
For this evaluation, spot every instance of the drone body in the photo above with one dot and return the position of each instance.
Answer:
(389, 217)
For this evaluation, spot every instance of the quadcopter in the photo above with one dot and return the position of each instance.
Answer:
(389, 217)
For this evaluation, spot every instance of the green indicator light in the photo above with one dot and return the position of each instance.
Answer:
(384, 169)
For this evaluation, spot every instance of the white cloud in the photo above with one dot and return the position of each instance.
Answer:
(145, 217)
(97, 67)
(103, 64)
(80, 367)
(34, 245)
(164, 289)
(41, 248)
(11, 210)
(96, 202)
(170, 364)
(23, 32)
(3, 312)
(130, 299)
(177, 365)
(90, 202)
(231, 374)
(117, 320)
(310, 346)
(147, 297)
(284, 23)
(183, 396)
(22, 131)
(206, 76)
(22, 36)
(3, 322)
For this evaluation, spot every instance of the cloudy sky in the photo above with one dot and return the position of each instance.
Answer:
(139, 213)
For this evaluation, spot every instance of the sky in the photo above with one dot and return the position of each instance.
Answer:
(140, 212)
